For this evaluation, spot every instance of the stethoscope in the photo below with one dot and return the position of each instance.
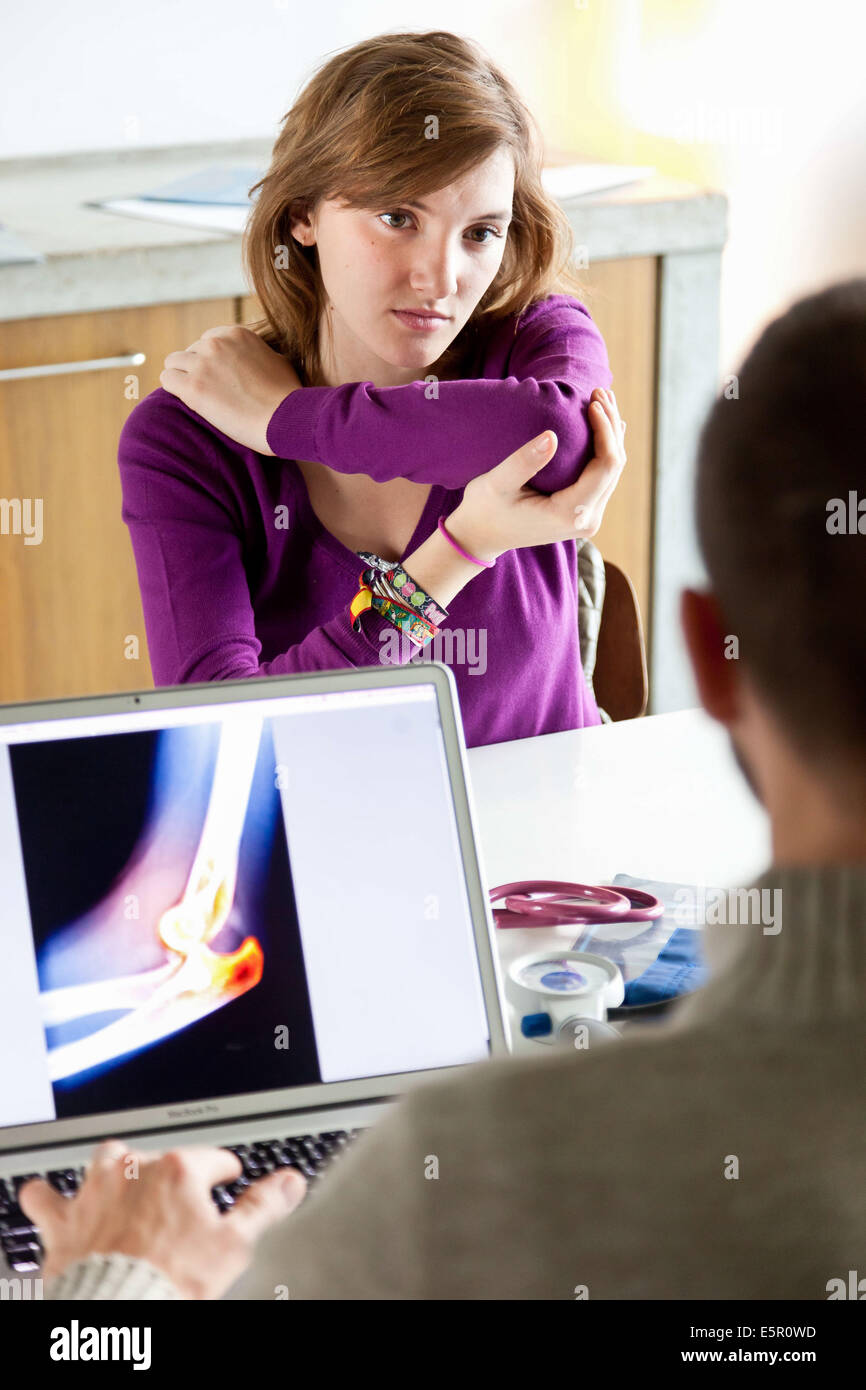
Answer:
(557, 994)
(560, 903)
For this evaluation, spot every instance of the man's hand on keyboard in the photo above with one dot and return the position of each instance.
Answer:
(159, 1207)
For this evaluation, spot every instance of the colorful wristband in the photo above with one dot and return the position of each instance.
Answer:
(414, 596)
(389, 590)
(362, 600)
(417, 629)
(389, 577)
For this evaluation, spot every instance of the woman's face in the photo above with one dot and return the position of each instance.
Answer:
(439, 257)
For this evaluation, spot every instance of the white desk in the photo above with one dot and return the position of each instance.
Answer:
(659, 797)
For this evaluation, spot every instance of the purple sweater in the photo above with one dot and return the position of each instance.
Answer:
(239, 578)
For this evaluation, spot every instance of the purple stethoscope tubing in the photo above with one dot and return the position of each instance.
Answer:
(595, 904)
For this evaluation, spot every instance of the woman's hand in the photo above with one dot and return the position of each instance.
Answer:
(499, 511)
(158, 1207)
(234, 380)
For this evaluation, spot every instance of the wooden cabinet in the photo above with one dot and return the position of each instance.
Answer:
(69, 605)
(621, 296)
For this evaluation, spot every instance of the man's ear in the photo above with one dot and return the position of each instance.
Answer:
(715, 667)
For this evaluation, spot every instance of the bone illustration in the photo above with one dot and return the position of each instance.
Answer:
(195, 980)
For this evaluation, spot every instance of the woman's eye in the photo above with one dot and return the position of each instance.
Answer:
(394, 214)
(492, 231)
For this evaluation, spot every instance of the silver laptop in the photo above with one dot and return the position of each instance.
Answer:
(245, 914)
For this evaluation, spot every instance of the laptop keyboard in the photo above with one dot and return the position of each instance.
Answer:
(309, 1153)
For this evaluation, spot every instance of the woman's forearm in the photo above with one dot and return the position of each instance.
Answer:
(447, 433)
(438, 567)
(446, 441)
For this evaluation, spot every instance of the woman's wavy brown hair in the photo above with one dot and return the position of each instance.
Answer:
(358, 132)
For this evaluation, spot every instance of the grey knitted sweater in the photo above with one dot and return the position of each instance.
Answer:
(721, 1155)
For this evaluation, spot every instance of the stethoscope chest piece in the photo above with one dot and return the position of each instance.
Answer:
(552, 993)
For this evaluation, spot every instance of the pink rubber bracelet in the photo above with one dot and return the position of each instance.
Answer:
(487, 564)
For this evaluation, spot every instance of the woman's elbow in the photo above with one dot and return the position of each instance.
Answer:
(567, 417)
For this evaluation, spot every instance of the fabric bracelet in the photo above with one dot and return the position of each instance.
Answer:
(378, 593)
(414, 597)
(418, 629)
(397, 583)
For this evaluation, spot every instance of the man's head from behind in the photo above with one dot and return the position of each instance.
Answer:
(779, 646)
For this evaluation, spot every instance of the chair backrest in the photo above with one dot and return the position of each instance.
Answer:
(620, 677)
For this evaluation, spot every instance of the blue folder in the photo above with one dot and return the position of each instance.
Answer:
(659, 960)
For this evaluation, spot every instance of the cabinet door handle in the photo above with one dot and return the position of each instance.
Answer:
(92, 364)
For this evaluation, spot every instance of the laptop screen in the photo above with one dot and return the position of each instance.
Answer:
(229, 898)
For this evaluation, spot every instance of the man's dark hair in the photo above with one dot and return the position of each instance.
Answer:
(776, 464)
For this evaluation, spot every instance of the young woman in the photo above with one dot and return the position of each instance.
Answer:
(416, 350)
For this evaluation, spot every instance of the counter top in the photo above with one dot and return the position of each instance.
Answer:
(96, 259)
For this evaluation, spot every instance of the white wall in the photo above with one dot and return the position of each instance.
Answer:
(765, 99)
(81, 75)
